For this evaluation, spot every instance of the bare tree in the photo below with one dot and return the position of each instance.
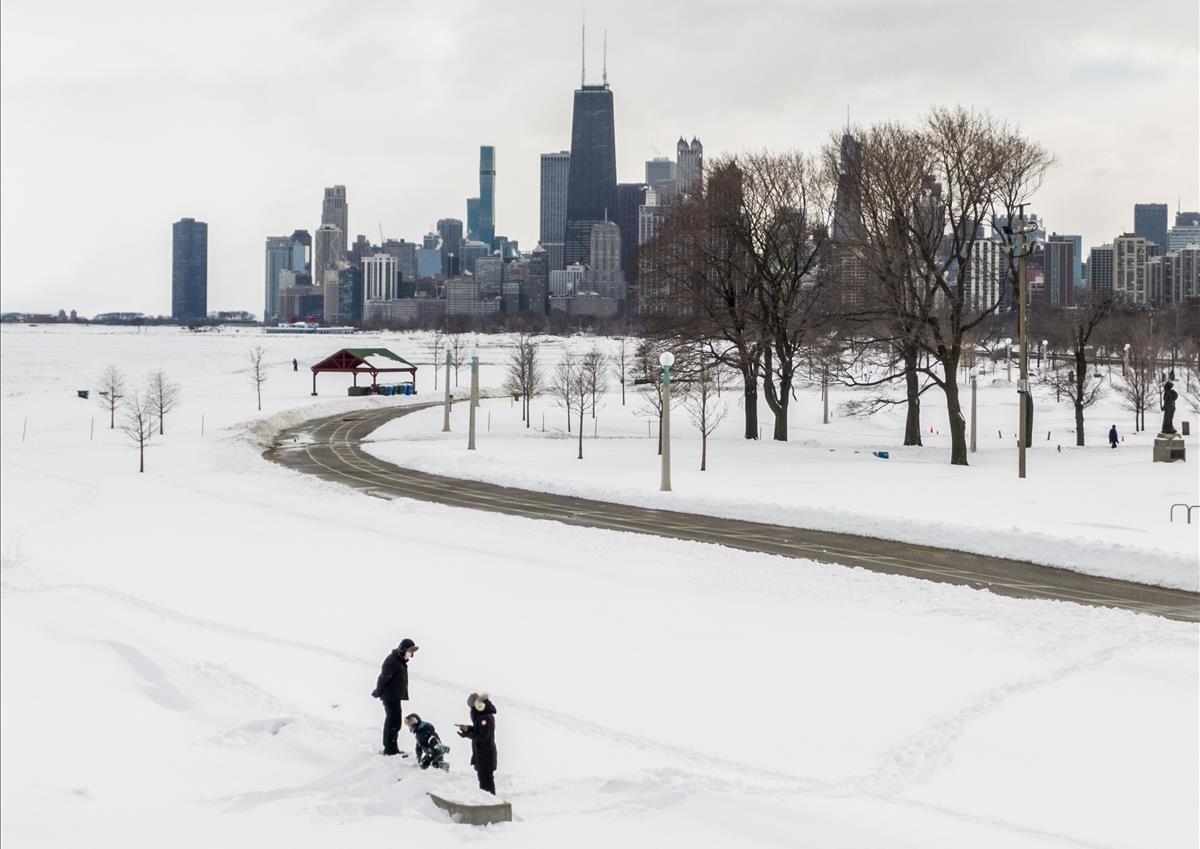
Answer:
(594, 369)
(1140, 385)
(704, 405)
(1074, 329)
(163, 395)
(258, 370)
(928, 195)
(437, 340)
(137, 422)
(562, 386)
(582, 383)
(457, 346)
(524, 377)
(110, 393)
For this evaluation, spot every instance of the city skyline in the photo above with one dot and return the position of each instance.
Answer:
(406, 183)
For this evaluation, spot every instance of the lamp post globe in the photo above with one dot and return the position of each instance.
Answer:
(666, 359)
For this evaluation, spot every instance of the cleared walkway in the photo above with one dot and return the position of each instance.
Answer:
(331, 448)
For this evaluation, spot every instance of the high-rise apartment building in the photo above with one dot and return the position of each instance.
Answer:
(1150, 222)
(689, 165)
(406, 257)
(329, 244)
(1181, 275)
(1059, 271)
(537, 287)
(350, 296)
(487, 194)
(555, 174)
(1129, 268)
(189, 270)
(335, 213)
(604, 264)
(278, 259)
(592, 184)
(1100, 270)
(650, 216)
(380, 278)
(660, 173)
(451, 232)
(1185, 232)
(301, 252)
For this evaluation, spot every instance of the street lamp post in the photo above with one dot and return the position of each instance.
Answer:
(446, 412)
(973, 392)
(1008, 359)
(474, 401)
(666, 360)
(1125, 361)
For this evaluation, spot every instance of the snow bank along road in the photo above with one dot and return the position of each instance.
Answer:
(330, 447)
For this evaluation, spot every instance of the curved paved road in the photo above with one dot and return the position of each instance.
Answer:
(331, 448)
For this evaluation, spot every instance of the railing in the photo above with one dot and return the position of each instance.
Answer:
(1188, 507)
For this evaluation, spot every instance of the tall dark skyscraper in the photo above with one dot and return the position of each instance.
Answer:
(487, 194)
(473, 219)
(335, 212)
(1150, 222)
(189, 270)
(451, 231)
(592, 185)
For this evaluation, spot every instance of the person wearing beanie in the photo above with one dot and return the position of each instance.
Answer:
(430, 751)
(392, 690)
(482, 734)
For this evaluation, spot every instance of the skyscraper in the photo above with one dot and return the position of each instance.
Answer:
(328, 247)
(849, 269)
(659, 171)
(604, 257)
(556, 171)
(334, 212)
(592, 184)
(473, 219)
(630, 197)
(1059, 270)
(278, 258)
(487, 194)
(189, 270)
(1185, 232)
(451, 231)
(1150, 222)
(689, 165)
(1100, 270)
(301, 252)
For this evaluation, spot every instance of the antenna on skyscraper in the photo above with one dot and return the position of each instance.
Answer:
(583, 53)
(604, 60)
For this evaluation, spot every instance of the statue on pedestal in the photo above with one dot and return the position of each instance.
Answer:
(1168, 407)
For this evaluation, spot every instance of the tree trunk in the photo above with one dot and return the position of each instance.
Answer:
(703, 451)
(777, 398)
(912, 384)
(660, 417)
(958, 425)
(141, 457)
(1080, 377)
(580, 457)
(750, 396)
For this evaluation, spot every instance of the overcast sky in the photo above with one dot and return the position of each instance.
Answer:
(121, 117)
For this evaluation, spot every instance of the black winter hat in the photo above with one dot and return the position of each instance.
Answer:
(407, 644)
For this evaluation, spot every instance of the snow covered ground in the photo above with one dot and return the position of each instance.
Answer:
(1093, 509)
(187, 656)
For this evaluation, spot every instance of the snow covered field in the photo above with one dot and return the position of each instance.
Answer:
(187, 654)
(1092, 509)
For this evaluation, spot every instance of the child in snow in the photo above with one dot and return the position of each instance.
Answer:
(430, 750)
(482, 734)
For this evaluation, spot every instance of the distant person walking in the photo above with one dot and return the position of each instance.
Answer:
(295, 365)
(1113, 439)
(392, 689)
(482, 734)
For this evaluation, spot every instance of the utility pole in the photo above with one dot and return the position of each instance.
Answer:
(446, 414)
(973, 391)
(666, 361)
(474, 401)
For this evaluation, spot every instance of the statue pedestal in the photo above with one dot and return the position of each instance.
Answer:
(1169, 447)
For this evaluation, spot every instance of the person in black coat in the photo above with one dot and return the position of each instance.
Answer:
(392, 689)
(1112, 437)
(430, 751)
(482, 734)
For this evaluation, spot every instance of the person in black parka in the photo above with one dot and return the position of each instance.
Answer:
(482, 734)
(1112, 437)
(392, 689)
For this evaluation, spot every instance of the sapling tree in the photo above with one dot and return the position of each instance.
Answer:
(258, 370)
(704, 405)
(163, 396)
(111, 392)
(137, 422)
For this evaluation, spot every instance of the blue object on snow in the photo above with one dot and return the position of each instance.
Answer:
(882, 455)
